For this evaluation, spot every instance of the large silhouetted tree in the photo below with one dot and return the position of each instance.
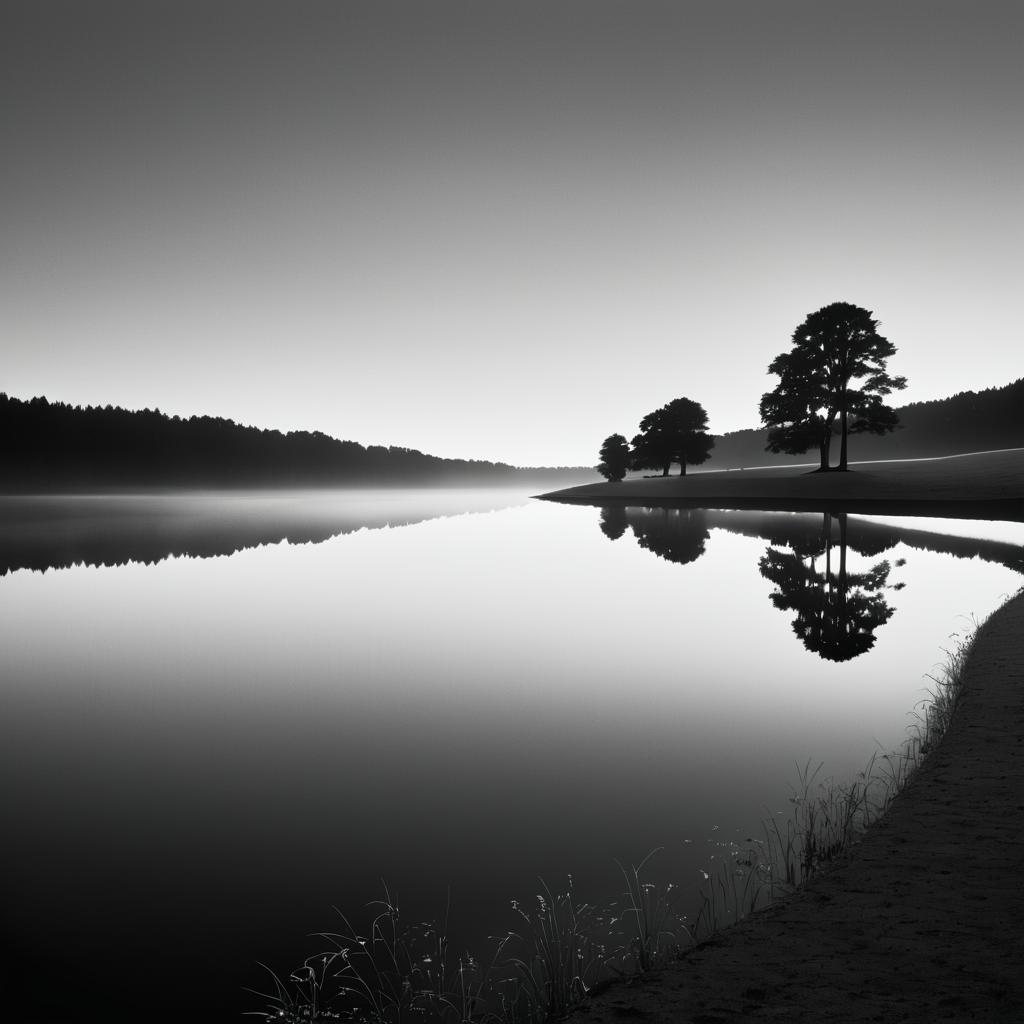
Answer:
(615, 457)
(797, 413)
(677, 432)
(835, 371)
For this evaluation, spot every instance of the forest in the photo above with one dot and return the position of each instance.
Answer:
(52, 446)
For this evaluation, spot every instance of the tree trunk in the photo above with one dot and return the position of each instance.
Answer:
(682, 467)
(826, 443)
(826, 536)
(664, 472)
(842, 548)
(842, 572)
(843, 412)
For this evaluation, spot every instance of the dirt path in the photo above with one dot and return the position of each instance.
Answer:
(921, 921)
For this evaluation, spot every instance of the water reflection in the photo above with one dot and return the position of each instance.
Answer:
(613, 521)
(199, 760)
(677, 535)
(837, 609)
(41, 533)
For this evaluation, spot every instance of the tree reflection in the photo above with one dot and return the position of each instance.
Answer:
(677, 535)
(837, 611)
(613, 521)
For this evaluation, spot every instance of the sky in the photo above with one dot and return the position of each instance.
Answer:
(499, 230)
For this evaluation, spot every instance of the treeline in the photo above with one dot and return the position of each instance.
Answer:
(41, 532)
(969, 421)
(51, 446)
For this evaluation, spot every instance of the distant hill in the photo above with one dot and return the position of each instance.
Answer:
(48, 447)
(970, 421)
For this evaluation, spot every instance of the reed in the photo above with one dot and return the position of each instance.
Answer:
(399, 971)
(559, 955)
(825, 816)
(655, 929)
(561, 947)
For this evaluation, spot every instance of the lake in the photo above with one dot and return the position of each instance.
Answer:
(225, 715)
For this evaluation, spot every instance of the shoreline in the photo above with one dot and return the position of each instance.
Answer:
(921, 920)
(980, 486)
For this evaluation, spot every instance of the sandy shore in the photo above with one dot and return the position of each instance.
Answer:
(923, 920)
(985, 486)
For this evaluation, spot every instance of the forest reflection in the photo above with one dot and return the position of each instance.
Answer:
(838, 609)
(40, 533)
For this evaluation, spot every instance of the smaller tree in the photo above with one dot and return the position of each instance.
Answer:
(615, 458)
(677, 432)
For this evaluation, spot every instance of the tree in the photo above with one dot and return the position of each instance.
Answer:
(677, 432)
(797, 412)
(836, 369)
(615, 458)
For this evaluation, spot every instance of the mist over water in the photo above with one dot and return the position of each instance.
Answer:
(202, 755)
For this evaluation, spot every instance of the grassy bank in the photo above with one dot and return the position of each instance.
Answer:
(987, 485)
(559, 947)
(827, 816)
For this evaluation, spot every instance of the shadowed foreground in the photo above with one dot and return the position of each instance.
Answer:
(921, 921)
(987, 485)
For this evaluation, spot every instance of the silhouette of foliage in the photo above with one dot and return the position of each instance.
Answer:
(615, 457)
(836, 370)
(677, 535)
(613, 521)
(677, 432)
(837, 611)
(51, 446)
(969, 421)
(798, 409)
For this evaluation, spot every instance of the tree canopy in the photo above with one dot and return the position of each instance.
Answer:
(677, 432)
(615, 458)
(836, 369)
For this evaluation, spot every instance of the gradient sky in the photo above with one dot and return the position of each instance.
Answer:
(499, 230)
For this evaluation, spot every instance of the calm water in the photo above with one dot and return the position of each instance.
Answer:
(456, 691)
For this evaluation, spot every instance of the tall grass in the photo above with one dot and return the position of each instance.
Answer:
(826, 817)
(398, 971)
(558, 956)
(654, 928)
(537, 971)
(560, 947)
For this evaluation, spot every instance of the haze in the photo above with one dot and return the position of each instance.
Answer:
(498, 231)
